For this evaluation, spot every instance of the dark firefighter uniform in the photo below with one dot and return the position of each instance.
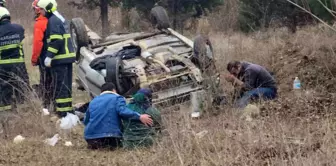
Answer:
(61, 52)
(13, 73)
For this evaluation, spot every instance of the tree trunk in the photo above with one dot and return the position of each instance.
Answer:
(104, 17)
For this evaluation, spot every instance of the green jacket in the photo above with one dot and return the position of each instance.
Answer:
(137, 134)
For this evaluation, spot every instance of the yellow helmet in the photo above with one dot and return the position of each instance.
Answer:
(4, 13)
(48, 5)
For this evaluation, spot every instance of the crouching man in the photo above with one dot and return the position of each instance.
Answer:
(135, 133)
(253, 81)
(103, 119)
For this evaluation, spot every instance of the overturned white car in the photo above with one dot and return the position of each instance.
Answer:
(164, 61)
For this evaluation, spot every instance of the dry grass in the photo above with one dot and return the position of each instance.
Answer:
(288, 131)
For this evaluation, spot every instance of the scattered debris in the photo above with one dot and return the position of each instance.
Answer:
(45, 112)
(80, 114)
(68, 143)
(69, 121)
(195, 114)
(18, 139)
(53, 140)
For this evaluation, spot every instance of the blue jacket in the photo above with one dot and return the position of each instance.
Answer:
(103, 117)
(11, 36)
(57, 40)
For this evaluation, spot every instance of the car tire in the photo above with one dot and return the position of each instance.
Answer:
(159, 17)
(113, 69)
(78, 35)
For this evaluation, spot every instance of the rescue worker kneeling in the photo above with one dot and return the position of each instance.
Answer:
(13, 72)
(103, 119)
(135, 133)
(59, 55)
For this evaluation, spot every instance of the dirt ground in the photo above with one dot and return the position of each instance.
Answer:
(291, 130)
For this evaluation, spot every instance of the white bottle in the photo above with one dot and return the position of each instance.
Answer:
(297, 84)
(297, 87)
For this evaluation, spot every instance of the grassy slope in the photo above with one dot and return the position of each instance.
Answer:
(289, 131)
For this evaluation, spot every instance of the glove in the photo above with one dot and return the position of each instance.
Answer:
(35, 63)
(47, 62)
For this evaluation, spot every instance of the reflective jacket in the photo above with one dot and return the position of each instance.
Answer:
(103, 117)
(58, 41)
(39, 30)
(11, 37)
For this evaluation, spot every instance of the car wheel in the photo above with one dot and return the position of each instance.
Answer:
(114, 68)
(79, 35)
(159, 17)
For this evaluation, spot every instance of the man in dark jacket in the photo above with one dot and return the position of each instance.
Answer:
(13, 72)
(253, 80)
(103, 119)
(135, 133)
(59, 56)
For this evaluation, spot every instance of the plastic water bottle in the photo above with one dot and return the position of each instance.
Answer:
(297, 87)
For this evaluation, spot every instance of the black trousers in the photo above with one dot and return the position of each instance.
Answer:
(45, 87)
(110, 143)
(62, 83)
(14, 84)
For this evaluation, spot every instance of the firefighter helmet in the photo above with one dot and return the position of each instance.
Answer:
(47, 5)
(4, 13)
(35, 7)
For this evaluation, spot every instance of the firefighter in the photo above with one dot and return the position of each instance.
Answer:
(13, 73)
(38, 56)
(59, 56)
(2, 3)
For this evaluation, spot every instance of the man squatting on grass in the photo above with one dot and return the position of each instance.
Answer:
(252, 80)
(103, 119)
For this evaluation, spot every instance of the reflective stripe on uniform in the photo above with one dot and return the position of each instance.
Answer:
(10, 46)
(53, 50)
(63, 56)
(5, 108)
(60, 37)
(63, 109)
(64, 100)
(9, 61)
(56, 37)
(67, 53)
(21, 52)
(16, 60)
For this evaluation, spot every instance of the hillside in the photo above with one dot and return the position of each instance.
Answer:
(290, 130)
